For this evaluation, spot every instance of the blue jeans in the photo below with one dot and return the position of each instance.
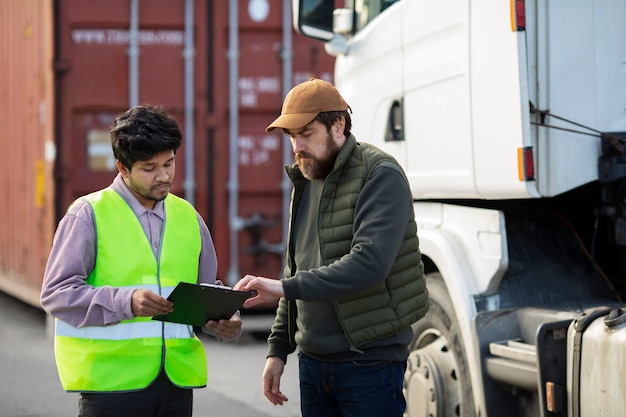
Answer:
(351, 389)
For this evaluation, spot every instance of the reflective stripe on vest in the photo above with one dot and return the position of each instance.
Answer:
(139, 329)
(128, 356)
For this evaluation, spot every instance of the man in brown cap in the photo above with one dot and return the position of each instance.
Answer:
(353, 281)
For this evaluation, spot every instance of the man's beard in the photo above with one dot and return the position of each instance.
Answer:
(150, 193)
(318, 168)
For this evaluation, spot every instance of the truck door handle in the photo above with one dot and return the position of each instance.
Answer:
(395, 122)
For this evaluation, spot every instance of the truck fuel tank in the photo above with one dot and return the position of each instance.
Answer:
(597, 362)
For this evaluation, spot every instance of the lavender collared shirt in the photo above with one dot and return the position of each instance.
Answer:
(65, 293)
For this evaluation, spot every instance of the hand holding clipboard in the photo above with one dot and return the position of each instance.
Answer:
(196, 304)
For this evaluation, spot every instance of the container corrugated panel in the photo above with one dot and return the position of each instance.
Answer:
(94, 82)
(26, 138)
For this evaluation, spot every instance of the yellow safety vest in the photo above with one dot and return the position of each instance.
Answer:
(129, 355)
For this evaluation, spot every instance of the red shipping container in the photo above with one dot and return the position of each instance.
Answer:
(69, 67)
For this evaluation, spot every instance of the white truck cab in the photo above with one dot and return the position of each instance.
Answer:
(509, 118)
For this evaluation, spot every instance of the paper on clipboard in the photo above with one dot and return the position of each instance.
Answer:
(196, 304)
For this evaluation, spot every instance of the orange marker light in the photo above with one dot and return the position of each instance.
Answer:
(525, 164)
(518, 15)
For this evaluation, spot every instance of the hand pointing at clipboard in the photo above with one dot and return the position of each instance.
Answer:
(268, 289)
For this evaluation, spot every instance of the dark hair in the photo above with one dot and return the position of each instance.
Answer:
(330, 117)
(142, 132)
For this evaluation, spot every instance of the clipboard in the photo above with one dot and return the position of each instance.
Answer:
(196, 304)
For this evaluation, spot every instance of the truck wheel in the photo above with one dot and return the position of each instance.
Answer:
(437, 382)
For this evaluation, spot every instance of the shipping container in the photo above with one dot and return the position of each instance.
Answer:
(222, 68)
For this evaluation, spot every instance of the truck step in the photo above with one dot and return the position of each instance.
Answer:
(514, 363)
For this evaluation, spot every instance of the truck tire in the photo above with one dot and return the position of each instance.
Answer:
(437, 382)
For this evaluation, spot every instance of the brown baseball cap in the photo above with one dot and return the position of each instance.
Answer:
(305, 101)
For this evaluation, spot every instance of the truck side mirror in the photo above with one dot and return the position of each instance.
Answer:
(314, 18)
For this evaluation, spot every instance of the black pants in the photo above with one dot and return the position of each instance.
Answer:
(160, 399)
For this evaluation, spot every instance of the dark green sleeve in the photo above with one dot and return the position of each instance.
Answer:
(380, 220)
(279, 344)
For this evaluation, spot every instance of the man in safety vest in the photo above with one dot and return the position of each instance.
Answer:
(117, 254)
